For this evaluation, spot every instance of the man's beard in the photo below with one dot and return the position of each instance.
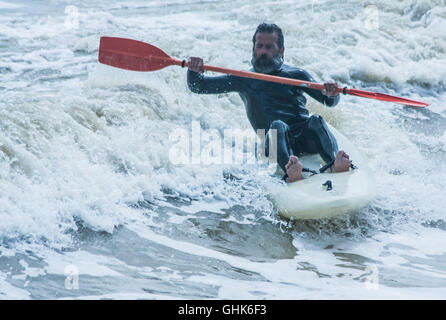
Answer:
(263, 64)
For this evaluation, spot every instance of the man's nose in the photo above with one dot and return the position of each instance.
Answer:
(262, 51)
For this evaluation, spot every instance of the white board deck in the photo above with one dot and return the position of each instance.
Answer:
(309, 199)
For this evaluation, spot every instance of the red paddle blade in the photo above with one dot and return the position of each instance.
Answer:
(386, 97)
(132, 55)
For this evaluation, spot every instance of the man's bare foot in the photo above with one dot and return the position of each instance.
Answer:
(342, 162)
(294, 169)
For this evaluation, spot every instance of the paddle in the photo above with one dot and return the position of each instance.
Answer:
(140, 56)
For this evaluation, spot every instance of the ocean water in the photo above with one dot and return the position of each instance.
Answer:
(92, 205)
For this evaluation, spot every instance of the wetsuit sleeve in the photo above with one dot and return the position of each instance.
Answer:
(198, 83)
(317, 94)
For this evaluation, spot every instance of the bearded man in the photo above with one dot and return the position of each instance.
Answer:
(278, 106)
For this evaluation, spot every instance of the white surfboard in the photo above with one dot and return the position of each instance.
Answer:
(310, 199)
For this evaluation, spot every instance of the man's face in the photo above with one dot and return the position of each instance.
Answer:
(266, 54)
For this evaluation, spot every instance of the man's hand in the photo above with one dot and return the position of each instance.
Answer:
(330, 89)
(195, 64)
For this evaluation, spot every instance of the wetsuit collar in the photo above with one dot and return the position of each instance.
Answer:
(277, 71)
(272, 73)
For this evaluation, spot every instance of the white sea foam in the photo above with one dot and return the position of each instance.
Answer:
(85, 146)
(8, 5)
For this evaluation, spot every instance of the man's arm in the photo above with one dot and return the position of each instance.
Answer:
(198, 83)
(328, 96)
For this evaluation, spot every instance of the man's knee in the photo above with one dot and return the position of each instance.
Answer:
(316, 122)
(325, 141)
(279, 125)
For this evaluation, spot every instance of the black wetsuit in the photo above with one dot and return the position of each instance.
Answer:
(277, 106)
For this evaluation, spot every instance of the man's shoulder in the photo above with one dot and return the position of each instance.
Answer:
(294, 72)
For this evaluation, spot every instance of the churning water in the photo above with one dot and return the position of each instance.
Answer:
(91, 205)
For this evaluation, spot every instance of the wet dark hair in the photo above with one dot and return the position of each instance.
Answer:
(269, 28)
